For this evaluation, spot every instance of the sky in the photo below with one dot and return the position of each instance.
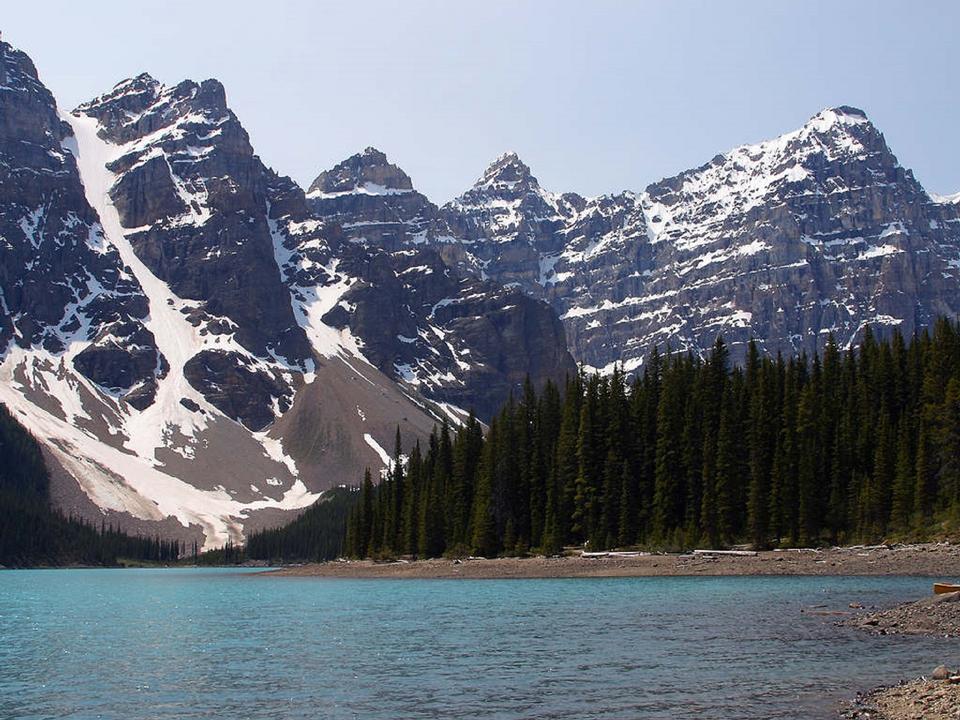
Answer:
(595, 97)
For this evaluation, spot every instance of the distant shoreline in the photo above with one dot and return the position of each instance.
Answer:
(926, 560)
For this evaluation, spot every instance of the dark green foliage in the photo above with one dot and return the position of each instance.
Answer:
(229, 554)
(317, 534)
(31, 533)
(851, 447)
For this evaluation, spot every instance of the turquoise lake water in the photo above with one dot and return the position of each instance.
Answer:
(202, 643)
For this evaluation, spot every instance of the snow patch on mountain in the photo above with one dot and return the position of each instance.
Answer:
(953, 199)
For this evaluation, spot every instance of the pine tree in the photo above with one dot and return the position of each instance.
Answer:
(484, 524)
(668, 487)
(725, 482)
(903, 484)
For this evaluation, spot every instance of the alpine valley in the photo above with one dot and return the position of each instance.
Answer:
(202, 347)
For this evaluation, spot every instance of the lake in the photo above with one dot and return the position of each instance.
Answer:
(223, 643)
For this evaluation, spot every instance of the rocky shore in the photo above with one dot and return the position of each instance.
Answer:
(937, 615)
(936, 697)
(941, 560)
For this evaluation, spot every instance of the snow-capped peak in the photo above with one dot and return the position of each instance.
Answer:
(842, 115)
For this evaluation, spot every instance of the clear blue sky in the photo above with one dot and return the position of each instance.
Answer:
(597, 96)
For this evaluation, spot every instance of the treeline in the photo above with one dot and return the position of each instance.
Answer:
(31, 533)
(840, 448)
(317, 534)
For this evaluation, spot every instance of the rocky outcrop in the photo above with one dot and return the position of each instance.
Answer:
(451, 337)
(420, 314)
(374, 203)
(193, 198)
(62, 287)
(819, 232)
(237, 387)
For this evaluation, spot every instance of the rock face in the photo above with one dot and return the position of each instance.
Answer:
(403, 293)
(452, 338)
(63, 289)
(820, 231)
(508, 223)
(193, 200)
(374, 203)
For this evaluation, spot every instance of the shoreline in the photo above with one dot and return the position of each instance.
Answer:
(924, 698)
(926, 560)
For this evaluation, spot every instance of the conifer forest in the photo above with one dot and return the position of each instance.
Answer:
(851, 446)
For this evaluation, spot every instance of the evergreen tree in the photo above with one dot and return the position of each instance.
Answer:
(853, 447)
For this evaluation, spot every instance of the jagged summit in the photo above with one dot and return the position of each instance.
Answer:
(841, 120)
(374, 202)
(368, 172)
(143, 80)
(507, 170)
(845, 130)
(17, 72)
(133, 94)
(842, 113)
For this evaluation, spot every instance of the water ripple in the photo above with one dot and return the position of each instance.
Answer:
(224, 644)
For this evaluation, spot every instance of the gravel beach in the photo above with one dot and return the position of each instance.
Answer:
(932, 560)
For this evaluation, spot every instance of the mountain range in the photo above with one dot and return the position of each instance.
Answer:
(203, 347)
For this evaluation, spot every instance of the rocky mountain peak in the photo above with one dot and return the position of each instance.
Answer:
(507, 172)
(835, 134)
(131, 95)
(141, 106)
(211, 93)
(18, 70)
(22, 95)
(368, 172)
(839, 123)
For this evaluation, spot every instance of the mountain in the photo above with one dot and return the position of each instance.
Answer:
(818, 231)
(422, 317)
(374, 202)
(201, 345)
(65, 291)
(197, 350)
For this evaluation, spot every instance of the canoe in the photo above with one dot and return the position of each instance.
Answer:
(940, 588)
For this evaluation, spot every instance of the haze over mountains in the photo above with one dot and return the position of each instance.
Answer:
(199, 342)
